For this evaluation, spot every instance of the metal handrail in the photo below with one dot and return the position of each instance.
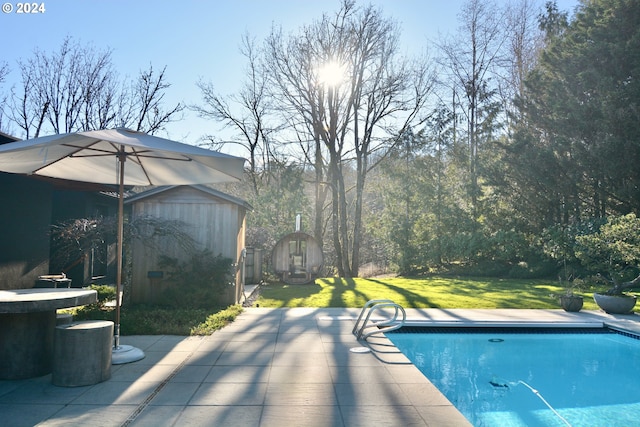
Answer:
(389, 324)
(364, 308)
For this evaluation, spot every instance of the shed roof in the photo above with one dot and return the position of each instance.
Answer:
(204, 188)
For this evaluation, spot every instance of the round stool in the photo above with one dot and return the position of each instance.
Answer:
(63, 319)
(82, 353)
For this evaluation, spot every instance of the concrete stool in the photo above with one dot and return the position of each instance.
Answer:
(82, 353)
(63, 319)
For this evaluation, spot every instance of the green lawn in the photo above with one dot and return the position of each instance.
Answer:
(423, 292)
(435, 292)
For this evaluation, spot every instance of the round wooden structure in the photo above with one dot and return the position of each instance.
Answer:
(297, 258)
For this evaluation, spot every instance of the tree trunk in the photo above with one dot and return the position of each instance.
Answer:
(343, 224)
(320, 195)
(357, 221)
(335, 215)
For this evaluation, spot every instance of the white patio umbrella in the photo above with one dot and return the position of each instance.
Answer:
(120, 157)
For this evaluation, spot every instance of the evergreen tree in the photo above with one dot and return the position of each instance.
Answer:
(575, 149)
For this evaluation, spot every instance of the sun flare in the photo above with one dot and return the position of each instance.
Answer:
(332, 73)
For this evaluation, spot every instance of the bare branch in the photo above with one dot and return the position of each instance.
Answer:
(247, 113)
(76, 88)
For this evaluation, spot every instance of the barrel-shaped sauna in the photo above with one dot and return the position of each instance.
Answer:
(297, 258)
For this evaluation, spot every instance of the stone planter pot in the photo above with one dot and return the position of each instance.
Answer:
(615, 304)
(571, 303)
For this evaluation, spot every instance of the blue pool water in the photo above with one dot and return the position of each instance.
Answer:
(514, 377)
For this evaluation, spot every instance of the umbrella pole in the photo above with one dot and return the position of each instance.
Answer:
(120, 238)
(121, 353)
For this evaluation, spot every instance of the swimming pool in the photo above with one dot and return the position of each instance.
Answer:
(531, 376)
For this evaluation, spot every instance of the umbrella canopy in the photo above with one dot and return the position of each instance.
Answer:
(122, 157)
(93, 156)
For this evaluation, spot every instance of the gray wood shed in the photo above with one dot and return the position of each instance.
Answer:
(214, 219)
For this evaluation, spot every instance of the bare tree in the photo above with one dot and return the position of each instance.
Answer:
(4, 71)
(524, 40)
(246, 112)
(76, 88)
(473, 57)
(56, 87)
(28, 104)
(146, 112)
(354, 116)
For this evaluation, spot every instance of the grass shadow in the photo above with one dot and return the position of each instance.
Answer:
(419, 292)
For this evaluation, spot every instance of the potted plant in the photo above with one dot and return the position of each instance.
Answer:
(614, 252)
(614, 300)
(569, 301)
(559, 243)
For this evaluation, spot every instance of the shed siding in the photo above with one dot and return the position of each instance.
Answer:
(214, 223)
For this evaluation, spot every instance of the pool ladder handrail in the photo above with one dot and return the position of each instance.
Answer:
(389, 325)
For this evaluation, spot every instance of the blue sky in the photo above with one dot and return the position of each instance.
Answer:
(196, 39)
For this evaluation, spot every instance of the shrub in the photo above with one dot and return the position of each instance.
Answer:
(203, 281)
(148, 320)
(532, 269)
(106, 293)
(559, 244)
(613, 251)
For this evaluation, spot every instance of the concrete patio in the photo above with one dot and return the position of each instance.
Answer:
(271, 367)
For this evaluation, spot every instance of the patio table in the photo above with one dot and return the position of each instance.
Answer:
(27, 325)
